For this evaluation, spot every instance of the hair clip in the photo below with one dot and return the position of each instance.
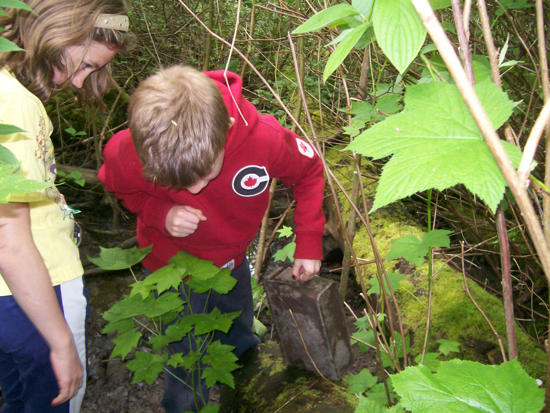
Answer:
(113, 21)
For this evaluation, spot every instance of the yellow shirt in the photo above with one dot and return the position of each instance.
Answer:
(52, 225)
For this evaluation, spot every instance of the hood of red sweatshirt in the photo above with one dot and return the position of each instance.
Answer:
(245, 114)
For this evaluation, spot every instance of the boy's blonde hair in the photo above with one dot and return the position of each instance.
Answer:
(46, 34)
(179, 124)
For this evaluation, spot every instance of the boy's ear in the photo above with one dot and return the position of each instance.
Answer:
(231, 122)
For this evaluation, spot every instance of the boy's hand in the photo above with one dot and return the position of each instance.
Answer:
(305, 269)
(183, 220)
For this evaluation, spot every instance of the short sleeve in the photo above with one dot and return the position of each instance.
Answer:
(32, 148)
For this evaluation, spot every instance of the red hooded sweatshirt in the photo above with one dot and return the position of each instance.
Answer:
(235, 201)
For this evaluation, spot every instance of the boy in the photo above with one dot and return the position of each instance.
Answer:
(195, 166)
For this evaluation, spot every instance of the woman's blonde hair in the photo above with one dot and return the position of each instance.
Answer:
(45, 35)
(179, 124)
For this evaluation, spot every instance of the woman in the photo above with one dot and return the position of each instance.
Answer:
(42, 302)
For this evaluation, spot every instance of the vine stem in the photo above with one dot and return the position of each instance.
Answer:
(519, 191)
(500, 220)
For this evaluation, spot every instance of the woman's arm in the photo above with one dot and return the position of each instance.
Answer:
(25, 273)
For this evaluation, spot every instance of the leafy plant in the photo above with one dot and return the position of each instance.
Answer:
(441, 153)
(287, 252)
(74, 176)
(155, 302)
(466, 386)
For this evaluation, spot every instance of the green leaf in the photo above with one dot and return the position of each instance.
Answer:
(363, 7)
(378, 393)
(6, 129)
(285, 232)
(286, 252)
(7, 157)
(366, 405)
(189, 362)
(386, 360)
(259, 328)
(440, 4)
(343, 49)
(15, 4)
(413, 250)
(361, 382)
(399, 31)
(441, 153)
(125, 343)
(146, 366)
(222, 362)
(194, 266)
(207, 323)
(12, 183)
(389, 103)
(222, 282)
(209, 408)
(513, 5)
(466, 386)
(7, 46)
(446, 346)
(120, 326)
(430, 361)
(165, 303)
(366, 336)
(132, 306)
(325, 18)
(394, 282)
(119, 259)
(165, 278)
(141, 288)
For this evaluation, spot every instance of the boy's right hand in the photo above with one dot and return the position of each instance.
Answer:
(183, 220)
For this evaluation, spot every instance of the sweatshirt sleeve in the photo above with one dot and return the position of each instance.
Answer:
(121, 174)
(298, 166)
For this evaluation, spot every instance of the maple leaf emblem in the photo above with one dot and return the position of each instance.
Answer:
(250, 182)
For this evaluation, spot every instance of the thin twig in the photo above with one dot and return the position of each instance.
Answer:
(479, 308)
(309, 355)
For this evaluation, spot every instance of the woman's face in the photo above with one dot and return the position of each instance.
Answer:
(85, 61)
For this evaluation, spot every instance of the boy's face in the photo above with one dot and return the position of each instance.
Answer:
(195, 189)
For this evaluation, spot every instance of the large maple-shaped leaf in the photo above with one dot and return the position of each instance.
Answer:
(222, 282)
(194, 266)
(436, 143)
(125, 343)
(222, 362)
(118, 258)
(467, 386)
(146, 366)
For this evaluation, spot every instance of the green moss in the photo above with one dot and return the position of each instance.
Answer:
(274, 364)
(455, 317)
(387, 225)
